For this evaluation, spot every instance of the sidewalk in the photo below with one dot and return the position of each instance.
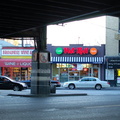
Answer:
(63, 92)
(26, 93)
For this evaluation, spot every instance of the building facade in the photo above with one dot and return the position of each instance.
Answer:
(76, 61)
(70, 62)
(15, 62)
(112, 52)
(67, 62)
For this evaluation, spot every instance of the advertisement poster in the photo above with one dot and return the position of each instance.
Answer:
(79, 66)
(109, 74)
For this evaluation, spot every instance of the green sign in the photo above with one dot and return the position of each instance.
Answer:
(59, 51)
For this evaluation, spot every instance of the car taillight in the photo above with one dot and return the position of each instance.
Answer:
(108, 83)
(58, 82)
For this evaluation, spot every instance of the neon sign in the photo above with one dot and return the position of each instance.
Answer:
(79, 50)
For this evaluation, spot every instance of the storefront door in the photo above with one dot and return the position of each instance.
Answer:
(96, 71)
(74, 75)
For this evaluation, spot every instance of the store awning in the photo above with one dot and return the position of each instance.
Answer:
(94, 60)
(15, 62)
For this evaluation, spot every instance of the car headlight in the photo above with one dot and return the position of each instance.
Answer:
(65, 83)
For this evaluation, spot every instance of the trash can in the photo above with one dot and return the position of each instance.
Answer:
(52, 88)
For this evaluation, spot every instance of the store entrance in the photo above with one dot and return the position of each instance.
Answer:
(74, 75)
(96, 72)
(71, 72)
(85, 71)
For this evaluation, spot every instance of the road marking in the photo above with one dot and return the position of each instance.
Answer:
(50, 110)
(103, 106)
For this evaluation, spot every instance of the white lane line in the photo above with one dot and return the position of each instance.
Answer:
(103, 106)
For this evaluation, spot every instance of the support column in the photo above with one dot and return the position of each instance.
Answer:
(40, 77)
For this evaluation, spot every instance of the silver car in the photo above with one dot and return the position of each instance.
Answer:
(87, 82)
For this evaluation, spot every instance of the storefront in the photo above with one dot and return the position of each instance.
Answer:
(76, 61)
(15, 62)
(112, 64)
(67, 62)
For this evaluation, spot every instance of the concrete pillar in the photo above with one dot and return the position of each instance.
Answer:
(40, 77)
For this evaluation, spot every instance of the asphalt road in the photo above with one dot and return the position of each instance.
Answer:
(97, 105)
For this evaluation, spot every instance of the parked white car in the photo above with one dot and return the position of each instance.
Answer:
(87, 82)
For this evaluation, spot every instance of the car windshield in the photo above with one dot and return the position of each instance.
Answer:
(9, 78)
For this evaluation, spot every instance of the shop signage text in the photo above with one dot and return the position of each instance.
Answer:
(112, 62)
(18, 64)
(15, 64)
(79, 50)
(14, 52)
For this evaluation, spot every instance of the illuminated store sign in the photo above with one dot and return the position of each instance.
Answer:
(17, 53)
(15, 63)
(79, 50)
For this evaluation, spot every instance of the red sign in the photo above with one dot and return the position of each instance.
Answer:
(15, 63)
(78, 50)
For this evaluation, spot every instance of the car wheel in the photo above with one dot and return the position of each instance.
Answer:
(98, 87)
(17, 88)
(71, 86)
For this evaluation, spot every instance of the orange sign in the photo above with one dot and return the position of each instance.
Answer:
(93, 51)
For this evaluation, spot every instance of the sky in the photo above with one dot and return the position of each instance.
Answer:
(88, 32)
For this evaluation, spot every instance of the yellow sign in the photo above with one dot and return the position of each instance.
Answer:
(118, 72)
(17, 57)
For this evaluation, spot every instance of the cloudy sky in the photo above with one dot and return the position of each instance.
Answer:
(87, 32)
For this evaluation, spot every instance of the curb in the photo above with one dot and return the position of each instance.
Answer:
(51, 95)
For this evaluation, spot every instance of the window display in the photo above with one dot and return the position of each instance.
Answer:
(70, 72)
(17, 73)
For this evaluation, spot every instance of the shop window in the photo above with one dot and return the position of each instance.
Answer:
(55, 72)
(74, 71)
(24, 73)
(63, 74)
(7, 71)
(17, 73)
(63, 65)
(95, 72)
